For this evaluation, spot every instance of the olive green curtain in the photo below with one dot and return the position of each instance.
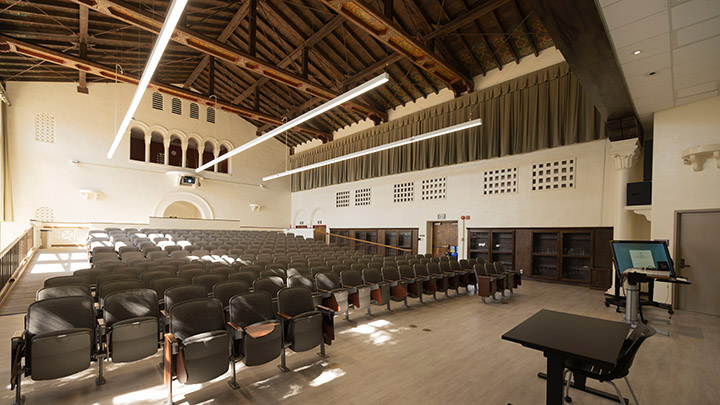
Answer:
(544, 109)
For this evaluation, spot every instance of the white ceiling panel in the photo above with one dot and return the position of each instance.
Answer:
(637, 91)
(649, 47)
(641, 30)
(697, 32)
(626, 11)
(661, 76)
(646, 65)
(662, 98)
(697, 78)
(693, 12)
(700, 88)
(697, 97)
(652, 108)
(605, 3)
(698, 50)
(681, 68)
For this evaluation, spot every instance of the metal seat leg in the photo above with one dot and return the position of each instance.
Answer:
(631, 391)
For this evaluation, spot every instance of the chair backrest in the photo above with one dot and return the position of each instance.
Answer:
(208, 280)
(190, 318)
(464, 264)
(56, 314)
(72, 290)
(276, 272)
(65, 280)
(115, 276)
(148, 276)
(246, 276)
(372, 275)
(251, 307)
(499, 268)
(480, 260)
(106, 289)
(275, 266)
(90, 274)
(480, 269)
(253, 268)
(224, 270)
(182, 293)
(128, 304)
(351, 278)
(327, 281)
(358, 266)
(630, 349)
(159, 285)
(454, 265)
(445, 267)
(225, 290)
(489, 269)
(189, 274)
(406, 271)
(269, 284)
(301, 281)
(390, 273)
(421, 269)
(295, 301)
(339, 268)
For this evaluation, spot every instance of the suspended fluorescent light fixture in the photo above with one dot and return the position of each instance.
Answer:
(341, 99)
(171, 20)
(412, 139)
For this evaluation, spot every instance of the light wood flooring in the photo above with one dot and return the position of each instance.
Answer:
(448, 351)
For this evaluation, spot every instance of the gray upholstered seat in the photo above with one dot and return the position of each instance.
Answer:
(359, 292)
(415, 283)
(379, 289)
(160, 285)
(225, 290)
(71, 290)
(106, 289)
(330, 285)
(484, 285)
(442, 280)
(258, 335)
(302, 323)
(208, 280)
(398, 286)
(65, 280)
(131, 322)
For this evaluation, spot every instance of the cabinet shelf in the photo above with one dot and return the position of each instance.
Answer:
(577, 256)
(545, 254)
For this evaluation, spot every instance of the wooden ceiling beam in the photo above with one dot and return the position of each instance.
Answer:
(229, 29)
(9, 44)
(506, 37)
(468, 17)
(390, 34)
(82, 42)
(147, 21)
(525, 27)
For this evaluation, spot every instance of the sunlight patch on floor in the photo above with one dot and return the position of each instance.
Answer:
(374, 331)
(327, 376)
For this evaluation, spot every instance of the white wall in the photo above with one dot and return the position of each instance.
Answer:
(512, 70)
(675, 185)
(590, 203)
(43, 174)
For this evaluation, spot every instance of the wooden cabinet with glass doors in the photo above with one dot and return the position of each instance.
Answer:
(403, 238)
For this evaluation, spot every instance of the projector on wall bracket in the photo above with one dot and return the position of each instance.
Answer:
(183, 179)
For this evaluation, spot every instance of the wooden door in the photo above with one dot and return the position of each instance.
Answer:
(445, 234)
(319, 232)
(697, 259)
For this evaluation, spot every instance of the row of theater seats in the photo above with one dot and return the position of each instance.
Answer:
(200, 336)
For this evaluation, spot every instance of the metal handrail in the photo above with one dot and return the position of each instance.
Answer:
(366, 241)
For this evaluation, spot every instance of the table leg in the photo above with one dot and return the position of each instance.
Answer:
(554, 389)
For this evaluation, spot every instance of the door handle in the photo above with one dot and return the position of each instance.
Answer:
(683, 264)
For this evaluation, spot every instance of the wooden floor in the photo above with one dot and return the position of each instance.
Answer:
(447, 351)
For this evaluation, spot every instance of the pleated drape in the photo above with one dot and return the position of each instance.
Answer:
(544, 109)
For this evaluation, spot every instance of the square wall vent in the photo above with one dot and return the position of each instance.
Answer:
(362, 196)
(342, 199)
(500, 181)
(404, 192)
(434, 189)
(45, 128)
(556, 175)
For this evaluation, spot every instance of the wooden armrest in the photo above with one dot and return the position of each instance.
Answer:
(408, 278)
(258, 331)
(284, 316)
(348, 286)
(96, 305)
(164, 313)
(234, 325)
(321, 290)
(324, 308)
(101, 322)
(170, 338)
(367, 282)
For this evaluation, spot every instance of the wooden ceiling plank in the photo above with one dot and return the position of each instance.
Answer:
(123, 11)
(506, 37)
(525, 27)
(82, 42)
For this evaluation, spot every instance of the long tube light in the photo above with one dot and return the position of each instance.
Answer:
(171, 20)
(412, 139)
(343, 98)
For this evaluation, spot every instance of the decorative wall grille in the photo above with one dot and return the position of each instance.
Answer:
(157, 101)
(211, 115)
(44, 214)
(556, 175)
(404, 192)
(176, 106)
(434, 189)
(194, 111)
(500, 181)
(362, 196)
(342, 199)
(45, 128)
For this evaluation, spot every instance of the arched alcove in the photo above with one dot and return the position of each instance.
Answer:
(182, 209)
(192, 154)
(137, 144)
(175, 151)
(318, 217)
(209, 154)
(184, 197)
(157, 148)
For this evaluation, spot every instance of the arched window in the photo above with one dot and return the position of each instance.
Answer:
(157, 149)
(223, 166)
(209, 154)
(137, 144)
(192, 156)
(175, 151)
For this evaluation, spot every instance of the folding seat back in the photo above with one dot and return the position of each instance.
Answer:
(414, 283)
(106, 256)
(71, 290)
(59, 337)
(330, 283)
(379, 289)
(464, 264)
(359, 292)
(189, 274)
(302, 323)
(182, 293)
(500, 279)
(131, 255)
(115, 276)
(179, 253)
(225, 290)
(131, 322)
(200, 252)
(65, 280)
(160, 285)
(358, 267)
(208, 280)
(148, 276)
(90, 274)
(315, 270)
(218, 252)
(191, 265)
(222, 270)
(261, 342)
(512, 277)
(246, 276)
(198, 326)
(269, 284)
(275, 272)
(106, 289)
(256, 269)
(339, 268)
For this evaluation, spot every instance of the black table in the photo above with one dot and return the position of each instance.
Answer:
(562, 336)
